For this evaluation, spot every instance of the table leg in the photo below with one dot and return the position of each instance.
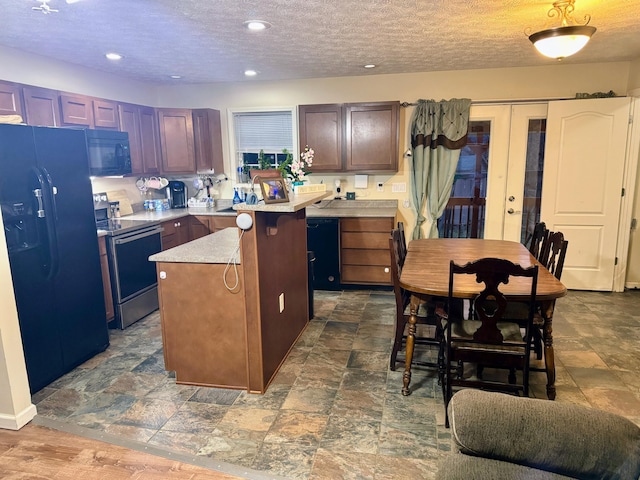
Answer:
(411, 340)
(549, 356)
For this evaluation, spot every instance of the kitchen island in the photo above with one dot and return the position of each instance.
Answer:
(231, 322)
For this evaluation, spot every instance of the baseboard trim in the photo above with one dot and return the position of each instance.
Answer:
(16, 422)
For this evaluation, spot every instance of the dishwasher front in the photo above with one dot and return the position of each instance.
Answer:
(323, 239)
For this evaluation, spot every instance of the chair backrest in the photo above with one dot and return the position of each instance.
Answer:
(402, 244)
(537, 239)
(491, 304)
(552, 256)
(396, 270)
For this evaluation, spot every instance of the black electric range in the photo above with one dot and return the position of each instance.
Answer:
(119, 226)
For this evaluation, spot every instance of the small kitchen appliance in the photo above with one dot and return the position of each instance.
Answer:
(177, 194)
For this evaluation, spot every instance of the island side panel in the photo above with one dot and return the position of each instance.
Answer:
(249, 252)
(282, 269)
(203, 325)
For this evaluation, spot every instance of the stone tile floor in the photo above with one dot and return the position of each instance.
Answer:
(334, 410)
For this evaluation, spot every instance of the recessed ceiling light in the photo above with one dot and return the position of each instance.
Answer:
(369, 65)
(250, 73)
(256, 25)
(176, 76)
(114, 56)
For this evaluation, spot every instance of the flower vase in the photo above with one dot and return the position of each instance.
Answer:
(295, 184)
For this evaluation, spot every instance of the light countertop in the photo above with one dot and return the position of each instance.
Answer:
(216, 247)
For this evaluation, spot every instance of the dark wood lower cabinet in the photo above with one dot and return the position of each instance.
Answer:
(364, 250)
(176, 232)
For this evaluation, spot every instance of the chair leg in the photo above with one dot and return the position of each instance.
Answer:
(512, 376)
(397, 344)
(479, 371)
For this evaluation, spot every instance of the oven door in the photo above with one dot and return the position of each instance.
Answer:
(133, 272)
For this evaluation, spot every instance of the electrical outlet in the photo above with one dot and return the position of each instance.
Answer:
(380, 187)
(405, 204)
(399, 187)
(281, 301)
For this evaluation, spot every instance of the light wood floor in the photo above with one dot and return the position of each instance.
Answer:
(40, 453)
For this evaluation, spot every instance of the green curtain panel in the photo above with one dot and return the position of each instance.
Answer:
(438, 132)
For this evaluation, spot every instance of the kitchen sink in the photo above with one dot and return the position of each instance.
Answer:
(224, 209)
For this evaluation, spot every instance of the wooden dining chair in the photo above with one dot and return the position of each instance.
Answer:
(489, 339)
(552, 258)
(402, 243)
(537, 239)
(426, 314)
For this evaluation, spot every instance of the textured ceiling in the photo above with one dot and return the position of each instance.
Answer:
(205, 41)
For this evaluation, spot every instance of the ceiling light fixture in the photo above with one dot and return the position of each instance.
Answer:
(256, 25)
(175, 77)
(370, 65)
(250, 73)
(113, 56)
(568, 38)
(44, 7)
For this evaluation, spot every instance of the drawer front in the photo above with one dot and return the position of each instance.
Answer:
(366, 257)
(170, 228)
(367, 225)
(366, 240)
(378, 275)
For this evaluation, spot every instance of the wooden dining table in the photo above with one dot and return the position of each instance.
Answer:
(425, 275)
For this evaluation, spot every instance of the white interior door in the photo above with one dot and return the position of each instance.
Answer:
(582, 187)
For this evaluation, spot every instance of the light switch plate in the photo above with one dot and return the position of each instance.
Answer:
(380, 187)
(399, 187)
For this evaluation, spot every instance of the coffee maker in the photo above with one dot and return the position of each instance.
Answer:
(177, 194)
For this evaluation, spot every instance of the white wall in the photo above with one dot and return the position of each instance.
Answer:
(15, 399)
(41, 71)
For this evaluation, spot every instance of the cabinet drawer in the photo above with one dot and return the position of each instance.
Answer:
(367, 225)
(366, 240)
(170, 228)
(366, 257)
(378, 275)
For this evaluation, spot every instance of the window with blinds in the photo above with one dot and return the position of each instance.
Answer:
(269, 131)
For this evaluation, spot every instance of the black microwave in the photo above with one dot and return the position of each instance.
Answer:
(108, 153)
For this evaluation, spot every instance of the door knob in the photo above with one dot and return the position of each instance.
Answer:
(511, 198)
(511, 211)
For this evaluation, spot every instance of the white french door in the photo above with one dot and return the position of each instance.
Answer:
(512, 147)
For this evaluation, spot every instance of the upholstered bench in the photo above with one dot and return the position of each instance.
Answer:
(500, 436)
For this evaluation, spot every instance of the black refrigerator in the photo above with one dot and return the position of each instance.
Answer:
(49, 224)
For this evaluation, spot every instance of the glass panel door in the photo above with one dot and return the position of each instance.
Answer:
(524, 175)
(498, 183)
(464, 214)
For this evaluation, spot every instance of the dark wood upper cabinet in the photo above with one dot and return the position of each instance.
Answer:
(41, 107)
(371, 137)
(176, 140)
(321, 127)
(105, 114)
(207, 140)
(353, 137)
(149, 140)
(129, 119)
(10, 99)
(76, 110)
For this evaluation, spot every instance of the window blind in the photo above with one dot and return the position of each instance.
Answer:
(268, 131)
